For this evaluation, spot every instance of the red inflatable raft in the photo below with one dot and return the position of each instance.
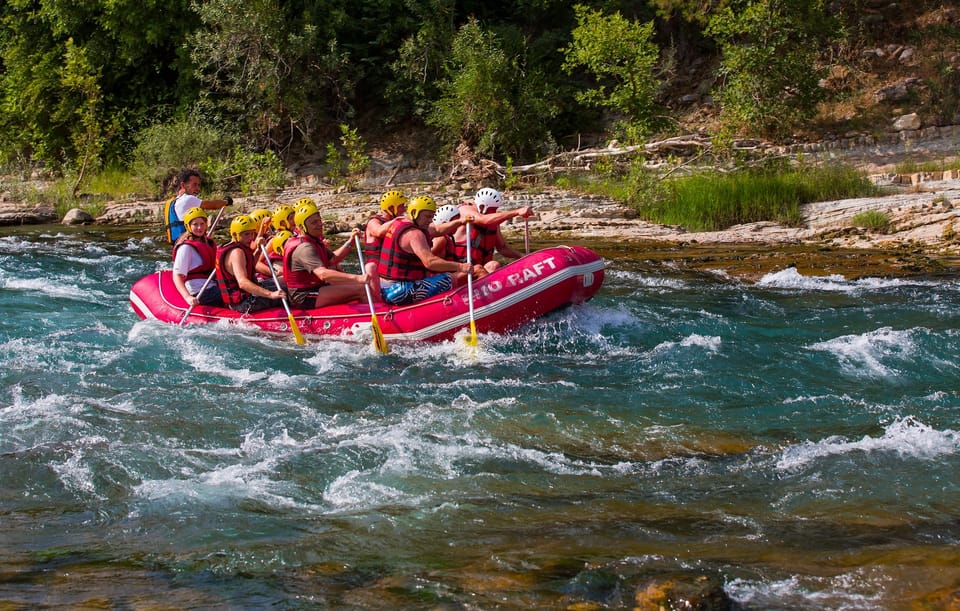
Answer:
(518, 292)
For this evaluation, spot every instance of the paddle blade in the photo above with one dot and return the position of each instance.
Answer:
(379, 342)
(472, 340)
(296, 329)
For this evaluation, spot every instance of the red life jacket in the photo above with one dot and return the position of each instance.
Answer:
(229, 287)
(371, 245)
(453, 251)
(395, 263)
(483, 243)
(205, 247)
(304, 279)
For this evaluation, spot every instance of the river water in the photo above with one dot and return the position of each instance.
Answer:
(795, 439)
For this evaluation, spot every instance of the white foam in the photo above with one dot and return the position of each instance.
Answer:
(645, 281)
(849, 591)
(54, 288)
(204, 358)
(790, 278)
(711, 343)
(75, 476)
(906, 437)
(26, 413)
(352, 491)
(863, 354)
(222, 485)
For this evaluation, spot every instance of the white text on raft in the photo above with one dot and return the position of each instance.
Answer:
(531, 272)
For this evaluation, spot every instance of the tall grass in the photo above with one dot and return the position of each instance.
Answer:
(874, 220)
(713, 200)
(940, 165)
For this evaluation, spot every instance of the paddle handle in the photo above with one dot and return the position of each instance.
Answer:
(293, 321)
(473, 324)
(200, 292)
(379, 342)
(216, 220)
(363, 265)
(526, 235)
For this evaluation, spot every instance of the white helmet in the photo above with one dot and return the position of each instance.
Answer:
(446, 213)
(487, 199)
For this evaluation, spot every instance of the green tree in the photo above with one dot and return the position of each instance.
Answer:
(622, 56)
(88, 130)
(420, 57)
(126, 51)
(769, 75)
(490, 101)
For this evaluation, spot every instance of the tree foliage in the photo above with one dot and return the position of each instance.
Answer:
(770, 78)
(621, 54)
(59, 57)
(489, 101)
(80, 82)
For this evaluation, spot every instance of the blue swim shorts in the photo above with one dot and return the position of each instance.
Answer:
(402, 292)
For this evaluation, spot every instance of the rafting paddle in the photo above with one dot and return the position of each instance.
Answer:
(526, 235)
(216, 220)
(200, 292)
(472, 340)
(293, 323)
(379, 342)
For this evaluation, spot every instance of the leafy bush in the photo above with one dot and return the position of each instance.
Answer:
(621, 52)
(872, 220)
(244, 170)
(164, 149)
(353, 155)
(489, 100)
(713, 201)
(769, 76)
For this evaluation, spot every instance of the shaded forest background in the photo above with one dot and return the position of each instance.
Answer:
(246, 87)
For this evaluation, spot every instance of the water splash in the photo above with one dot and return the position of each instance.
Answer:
(906, 438)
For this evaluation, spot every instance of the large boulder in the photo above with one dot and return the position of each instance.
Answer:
(910, 121)
(76, 216)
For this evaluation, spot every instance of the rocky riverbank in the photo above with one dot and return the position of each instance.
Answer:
(924, 214)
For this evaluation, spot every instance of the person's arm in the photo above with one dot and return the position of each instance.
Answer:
(334, 276)
(494, 219)
(181, 264)
(216, 204)
(377, 229)
(306, 257)
(181, 284)
(416, 242)
(263, 267)
(237, 265)
(341, 253)
(438, 229)
(439, 246)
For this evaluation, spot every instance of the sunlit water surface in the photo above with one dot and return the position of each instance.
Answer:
(797, 439)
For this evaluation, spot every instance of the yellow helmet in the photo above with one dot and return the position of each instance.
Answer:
(240, 224)
(392, 202)
(419, 204)
(304, 201)
(193, 213)
(276, 244)
(259, 215)
(303, 213)
(280, 216)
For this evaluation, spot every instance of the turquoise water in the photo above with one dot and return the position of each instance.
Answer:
(796, 440)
